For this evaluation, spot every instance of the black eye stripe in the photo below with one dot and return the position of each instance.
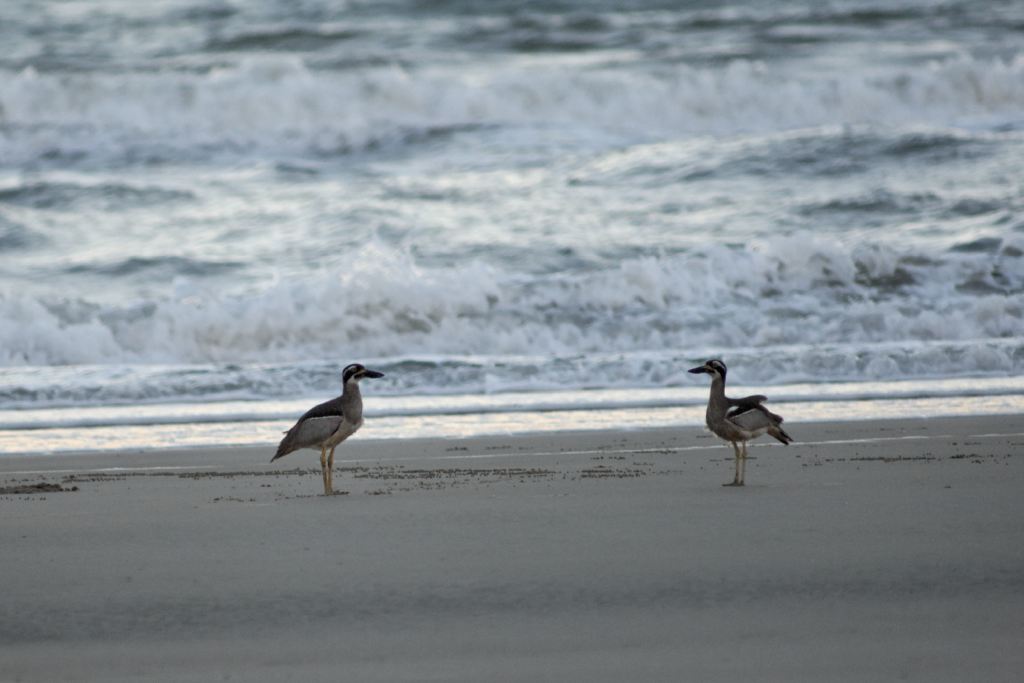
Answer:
(717, 365)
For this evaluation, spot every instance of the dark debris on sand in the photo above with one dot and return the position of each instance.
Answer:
(41, 487)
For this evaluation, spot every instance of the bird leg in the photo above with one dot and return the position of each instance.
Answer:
(743, 465)
(330, 469)
(736, 480)
(324, 471)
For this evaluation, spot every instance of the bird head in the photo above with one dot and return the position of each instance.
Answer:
(356, 372)
(713, 367)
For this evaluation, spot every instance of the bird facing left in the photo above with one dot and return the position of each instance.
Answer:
(326, 425)
(738, 420)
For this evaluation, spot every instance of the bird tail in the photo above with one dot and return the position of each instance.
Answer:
(285, 447)
(780, 434)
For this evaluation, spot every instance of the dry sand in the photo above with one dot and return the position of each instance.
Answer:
(867, 551)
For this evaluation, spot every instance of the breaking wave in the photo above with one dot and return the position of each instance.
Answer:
(802, 298)
(277, 105)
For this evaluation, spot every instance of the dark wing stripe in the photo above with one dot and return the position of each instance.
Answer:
(738, 406)
(330, 408)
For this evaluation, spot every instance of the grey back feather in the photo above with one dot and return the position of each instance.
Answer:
(313, 428)
(752, 420)
(758, 418)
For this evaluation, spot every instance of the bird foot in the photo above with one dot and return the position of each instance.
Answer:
(734, 483)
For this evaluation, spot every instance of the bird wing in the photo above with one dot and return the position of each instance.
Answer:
(738, 406)
(752, 420)
(745, 403)
(313, 428)
(330, 408)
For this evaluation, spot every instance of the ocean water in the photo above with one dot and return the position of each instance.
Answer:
(530, 215)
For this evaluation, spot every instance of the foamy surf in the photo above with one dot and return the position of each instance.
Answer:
(276, 105)
(207, 212)
(889, 311)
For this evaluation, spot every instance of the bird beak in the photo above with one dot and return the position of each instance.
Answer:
(698, 370)
(372, 374)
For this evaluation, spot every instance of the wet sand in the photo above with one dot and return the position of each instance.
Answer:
(866, 551)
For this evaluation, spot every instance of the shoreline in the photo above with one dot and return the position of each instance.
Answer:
(96, 438)
(864, 551)
(365, 448)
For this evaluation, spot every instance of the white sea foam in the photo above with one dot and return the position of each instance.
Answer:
(821, 307)
(278, 105)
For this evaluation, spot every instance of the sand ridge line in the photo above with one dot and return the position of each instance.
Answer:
(188, 473)
(393, 472)
(166, 470)
(668, 450)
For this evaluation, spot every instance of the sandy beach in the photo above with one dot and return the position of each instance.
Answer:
(866, 551)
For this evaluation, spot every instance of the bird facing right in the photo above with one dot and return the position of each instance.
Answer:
(326, 425)
(738, 420)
